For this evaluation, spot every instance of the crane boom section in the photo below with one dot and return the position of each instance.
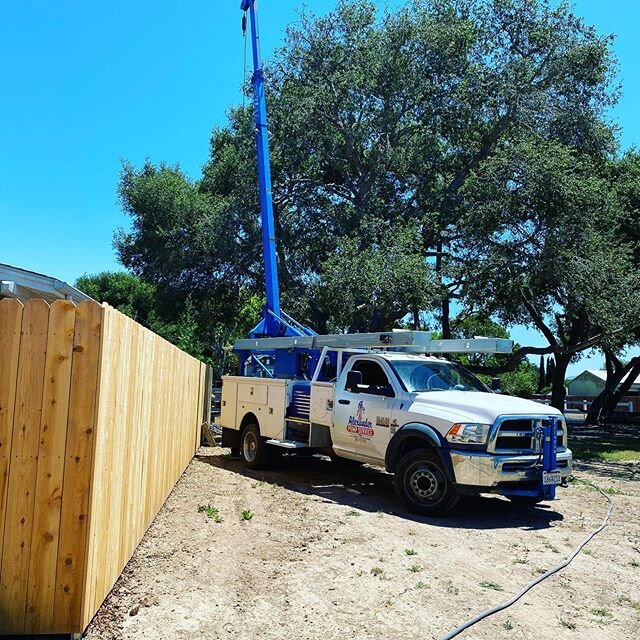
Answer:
(270, 324)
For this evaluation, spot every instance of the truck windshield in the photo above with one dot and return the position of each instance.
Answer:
(419, 376)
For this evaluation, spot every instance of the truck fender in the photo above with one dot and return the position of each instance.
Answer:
(417, 431)
(231, 437)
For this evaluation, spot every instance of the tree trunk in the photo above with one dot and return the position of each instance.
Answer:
(541, 377)
(445, 305)
(558, 391)
(613, 390)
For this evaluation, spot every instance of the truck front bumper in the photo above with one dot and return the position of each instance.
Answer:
(489, 471)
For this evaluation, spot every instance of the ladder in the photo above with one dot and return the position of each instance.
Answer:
(407, 341)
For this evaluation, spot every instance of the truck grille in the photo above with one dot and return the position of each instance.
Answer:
(518, 435)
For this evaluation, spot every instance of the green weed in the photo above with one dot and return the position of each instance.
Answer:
(568, 624)
(508, 625)
(247, 514)
(488, 584)
(212, 512)
(411, 552)
(353, 513)
(551, 547)
(451, 588)
(415, 568)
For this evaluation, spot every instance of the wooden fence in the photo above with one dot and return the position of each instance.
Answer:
(98, 419)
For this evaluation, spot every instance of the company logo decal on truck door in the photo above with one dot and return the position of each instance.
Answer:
(358, 424)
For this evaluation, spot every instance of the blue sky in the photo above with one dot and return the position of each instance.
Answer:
(88, 84)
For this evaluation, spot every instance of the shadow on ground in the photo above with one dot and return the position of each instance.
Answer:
(612, 451)
(371, 489)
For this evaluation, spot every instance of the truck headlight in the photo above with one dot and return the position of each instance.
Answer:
(468, 433)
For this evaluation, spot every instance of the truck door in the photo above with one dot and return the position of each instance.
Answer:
(362, 416)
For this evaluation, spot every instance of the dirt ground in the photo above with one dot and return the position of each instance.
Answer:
(330, 553)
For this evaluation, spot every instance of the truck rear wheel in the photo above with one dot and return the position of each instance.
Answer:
(254, 451)
(423, 484)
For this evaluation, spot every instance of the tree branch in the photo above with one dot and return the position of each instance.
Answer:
(538, 321)
(515, 359)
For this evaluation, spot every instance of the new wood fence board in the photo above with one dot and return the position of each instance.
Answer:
(16, 548)
(50, 469)
(10, 325)
(96, 494)
(85, 368)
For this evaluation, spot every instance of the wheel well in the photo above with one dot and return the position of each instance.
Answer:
(411, 444)
(249, 418)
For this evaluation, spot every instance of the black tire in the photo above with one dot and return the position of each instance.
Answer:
(422, 483)
(525, 501)
(254, 451)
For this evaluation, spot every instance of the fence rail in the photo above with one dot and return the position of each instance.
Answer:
(98, 418)
(582, 404)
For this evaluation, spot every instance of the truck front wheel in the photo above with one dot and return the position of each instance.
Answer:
(254, 451)
(423, 485)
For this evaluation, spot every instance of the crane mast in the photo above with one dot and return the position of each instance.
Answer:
(274, 322)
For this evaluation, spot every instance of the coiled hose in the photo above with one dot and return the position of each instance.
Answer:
(539, 579)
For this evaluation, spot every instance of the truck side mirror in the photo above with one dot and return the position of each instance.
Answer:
(354, 378)
(496, 385)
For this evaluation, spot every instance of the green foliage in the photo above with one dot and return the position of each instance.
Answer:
(211, 512)
(488, 584)
(370, 283)
(567, 624)
(247, 514)
(522, 381)
(123, 291)
(445, 150)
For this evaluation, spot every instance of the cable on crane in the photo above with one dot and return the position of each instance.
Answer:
(500, 607)
(244, 60)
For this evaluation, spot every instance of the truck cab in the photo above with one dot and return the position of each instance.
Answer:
(430, 422)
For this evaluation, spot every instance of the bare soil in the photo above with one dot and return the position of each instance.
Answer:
(326, 555)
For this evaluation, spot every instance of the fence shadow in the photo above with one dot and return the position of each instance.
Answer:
(371, 489)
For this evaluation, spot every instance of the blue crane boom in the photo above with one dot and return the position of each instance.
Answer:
(274, 322)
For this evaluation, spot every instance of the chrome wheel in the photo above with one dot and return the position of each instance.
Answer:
(426, 482)
(249, 446)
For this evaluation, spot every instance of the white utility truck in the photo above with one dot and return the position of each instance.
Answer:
(380, 399)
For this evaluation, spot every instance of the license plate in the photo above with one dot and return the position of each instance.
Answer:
(551, 477)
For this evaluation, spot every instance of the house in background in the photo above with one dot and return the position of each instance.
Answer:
(26, 285)
(591, 382)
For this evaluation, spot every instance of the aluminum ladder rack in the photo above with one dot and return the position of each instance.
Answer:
(409, 341)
